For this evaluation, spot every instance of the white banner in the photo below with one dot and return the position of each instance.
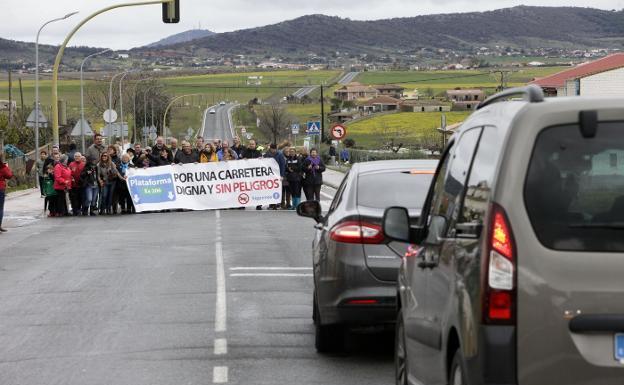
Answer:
(204, 186)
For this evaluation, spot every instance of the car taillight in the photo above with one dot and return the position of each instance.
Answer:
(499, 299)
(412, 251)
(357, 232)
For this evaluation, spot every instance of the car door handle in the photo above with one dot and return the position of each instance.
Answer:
(588, 323)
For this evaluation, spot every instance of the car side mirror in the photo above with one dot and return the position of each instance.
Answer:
(396, 224)
(310, 209)
(437, 229)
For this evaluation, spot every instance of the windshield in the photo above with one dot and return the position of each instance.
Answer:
(575, 188)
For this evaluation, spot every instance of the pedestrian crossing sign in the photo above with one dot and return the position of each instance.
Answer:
(314, 128)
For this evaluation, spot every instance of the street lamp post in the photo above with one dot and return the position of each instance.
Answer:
(121, 114)
(110, 103)
(171, 4)
(37, 80)
(82, 117)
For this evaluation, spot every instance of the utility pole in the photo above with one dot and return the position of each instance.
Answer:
(10, 98)
(22, 115)
(322, 118)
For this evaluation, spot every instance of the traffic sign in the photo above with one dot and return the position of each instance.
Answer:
(153, 136)
(152, 130)
(314, 128)
(110, 116)
(145, 130)
(338, 132)
(80, 125)
(295, 129)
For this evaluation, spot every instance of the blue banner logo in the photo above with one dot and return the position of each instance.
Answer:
(152, 189)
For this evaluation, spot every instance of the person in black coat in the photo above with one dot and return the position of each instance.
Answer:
(251, 152)
(187, 155)
(313, 167)
(294, 176)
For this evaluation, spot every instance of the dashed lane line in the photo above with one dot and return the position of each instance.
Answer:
(269, 268)
(220, 374)
(221, 306)
(271, 275)
(220, 346)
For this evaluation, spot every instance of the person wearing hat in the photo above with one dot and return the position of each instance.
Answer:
(5, 174)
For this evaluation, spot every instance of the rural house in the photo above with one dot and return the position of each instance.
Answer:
(465, 99)
(602, 77)
(391, 90)
(355, 91)
(380, 104)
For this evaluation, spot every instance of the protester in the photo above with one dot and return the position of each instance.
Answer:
(238, 147)
(5, 174)
(344, 156)
(173, 147)
(113, 152)
(107, 175)
(76, 193)
(159, 147)
(199, 144)
(40, 169)
(161, 158)
(97, 148)
(62, 184)
(144, 161)
(71, 153)
(125, 200)
(286, 196)
(90, 181)
(313, 167)
(208, 154)
(137, 154)
(52, 160)
(49, 192)
(187, 155)
(281, 162)
(225, 148)
(333, 155)
(227, 154)
(294, 176)
(251, 152)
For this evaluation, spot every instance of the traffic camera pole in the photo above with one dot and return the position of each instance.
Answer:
(59, 56)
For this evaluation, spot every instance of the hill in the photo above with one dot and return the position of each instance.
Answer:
(182, 37)
(526, 27)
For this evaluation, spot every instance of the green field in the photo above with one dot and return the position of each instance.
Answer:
(410, 128)
(213, 88)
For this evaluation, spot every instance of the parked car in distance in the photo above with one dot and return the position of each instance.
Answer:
(515, 276)
(355, 266)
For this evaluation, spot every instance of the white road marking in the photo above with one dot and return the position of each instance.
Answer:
(220, 375)
(221, 307)
(271, 275)
(220, 346)
(269, 268)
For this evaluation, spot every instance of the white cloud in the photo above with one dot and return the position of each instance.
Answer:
(131, 27)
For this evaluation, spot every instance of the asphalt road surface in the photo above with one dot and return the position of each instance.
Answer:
(218, 125)
(170, 298)
(348, 78)
(300, 93)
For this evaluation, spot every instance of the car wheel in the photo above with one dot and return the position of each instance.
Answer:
(458, 373)
(400, 352)
(328, 338)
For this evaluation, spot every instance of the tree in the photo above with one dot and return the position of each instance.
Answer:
(274, 121)
(390, 136)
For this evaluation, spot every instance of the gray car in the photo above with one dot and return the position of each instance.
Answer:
(517, 276)
(355, 266)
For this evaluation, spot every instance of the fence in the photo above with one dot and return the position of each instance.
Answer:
(357, 156)
(20, 166)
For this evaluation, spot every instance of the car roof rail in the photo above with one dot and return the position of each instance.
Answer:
(532, 94)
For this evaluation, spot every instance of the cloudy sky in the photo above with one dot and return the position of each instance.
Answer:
(131, 27)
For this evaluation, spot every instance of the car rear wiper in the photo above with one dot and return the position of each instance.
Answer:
(598, 225)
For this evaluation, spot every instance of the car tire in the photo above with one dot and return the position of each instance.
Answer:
(458, 371)
(400, 352)
(327, 338)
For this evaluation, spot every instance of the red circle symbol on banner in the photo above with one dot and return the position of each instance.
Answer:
(243, 199)
(338, 132)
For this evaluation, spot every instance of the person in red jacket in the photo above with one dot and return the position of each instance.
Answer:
(5, 174)
(62, 183)
(76, 192)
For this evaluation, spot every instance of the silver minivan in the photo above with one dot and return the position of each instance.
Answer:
(516, 273)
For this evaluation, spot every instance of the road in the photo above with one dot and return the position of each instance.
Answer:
(348, 78)
(219, 124)
(170, 298)
(300, 93)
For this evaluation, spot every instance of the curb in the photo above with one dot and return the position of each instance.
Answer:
(21, 193)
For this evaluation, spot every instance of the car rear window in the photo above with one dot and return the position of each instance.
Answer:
(574, 190)
(397, 188)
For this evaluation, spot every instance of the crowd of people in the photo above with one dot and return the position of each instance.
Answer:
(94, 183)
